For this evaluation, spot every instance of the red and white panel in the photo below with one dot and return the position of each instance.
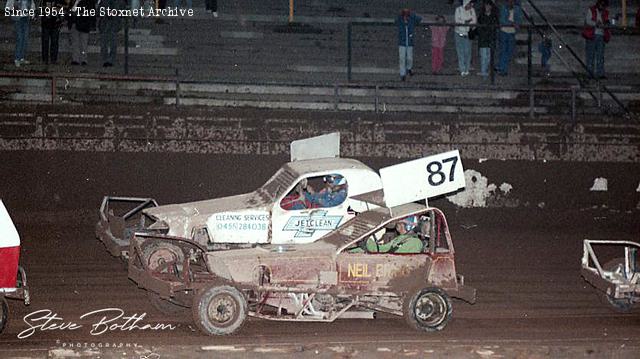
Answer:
(9, 250)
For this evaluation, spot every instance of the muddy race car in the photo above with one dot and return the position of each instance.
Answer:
(13, 280)
(396, 258)
(618, 280)
(288, 208)
(346, 274)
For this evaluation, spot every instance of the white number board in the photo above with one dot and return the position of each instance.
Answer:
(325, 146)
(422, 178)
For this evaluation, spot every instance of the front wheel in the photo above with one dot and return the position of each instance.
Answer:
(4, 311)
(219, 310)
(428, 309)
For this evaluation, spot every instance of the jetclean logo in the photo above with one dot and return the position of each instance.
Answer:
(306, 226)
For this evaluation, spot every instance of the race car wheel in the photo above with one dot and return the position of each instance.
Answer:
(4, 311)
(428, 309)
(219, 310)
(161, 257)
(620, 305)
(165, 306)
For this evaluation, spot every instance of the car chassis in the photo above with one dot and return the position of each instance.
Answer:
(617, 280)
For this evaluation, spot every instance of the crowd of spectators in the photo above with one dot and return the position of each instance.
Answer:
(494, 25)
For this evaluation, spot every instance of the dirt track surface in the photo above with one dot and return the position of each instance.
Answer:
(524, 262)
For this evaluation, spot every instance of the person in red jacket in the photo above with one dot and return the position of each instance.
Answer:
(596, 34)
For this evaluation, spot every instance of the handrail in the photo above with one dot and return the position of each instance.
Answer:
(575, 56)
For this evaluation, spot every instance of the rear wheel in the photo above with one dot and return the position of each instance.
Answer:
(428, 309)
(4, 311)
(163, 257)
(219, 310)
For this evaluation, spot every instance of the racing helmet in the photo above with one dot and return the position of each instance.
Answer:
(334, 179)
(409, 223)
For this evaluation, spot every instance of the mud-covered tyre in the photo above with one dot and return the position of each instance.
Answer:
(219, 310)
(4, 313)
(157, 254)
(620, 305)
(428, 309)
(165, 306)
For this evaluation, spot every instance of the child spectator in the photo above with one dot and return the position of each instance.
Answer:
(487, 35)
(438, 41)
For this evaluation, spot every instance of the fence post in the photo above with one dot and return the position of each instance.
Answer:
(574, 90)
(336, 95)
(177, 87)
(126, 46)
(377, 101)
(530, 74)
(53, 89)
(349, 30)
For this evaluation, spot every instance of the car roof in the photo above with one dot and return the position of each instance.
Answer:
(325, 164)
(368, 221)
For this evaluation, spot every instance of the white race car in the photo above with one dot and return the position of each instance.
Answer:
(307, 198)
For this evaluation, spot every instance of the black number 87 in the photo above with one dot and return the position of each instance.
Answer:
(436, 176)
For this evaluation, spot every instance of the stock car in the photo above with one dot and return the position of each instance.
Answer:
(13, 280)
(335, 277)
(262, 216)
(617, 280)
(361, 267)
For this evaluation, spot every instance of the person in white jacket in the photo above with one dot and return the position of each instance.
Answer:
(465, 15)
(22, 11)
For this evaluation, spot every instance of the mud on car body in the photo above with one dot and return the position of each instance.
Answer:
(331, 278)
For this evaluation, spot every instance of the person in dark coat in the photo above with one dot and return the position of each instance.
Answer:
(109, 26)
(80, 27)
(50, 24)
(406, 23)
(488, 17)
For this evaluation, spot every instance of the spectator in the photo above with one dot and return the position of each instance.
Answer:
(638, 19)
(465, 14)
(596, 35)
(406, 23)
(50, 26)
(438, 41)
(545, 54)
(510, 20)
(109, 27)
(176, 3)
(212, 7)
(80, 27)
(487, 35)
(21, 22)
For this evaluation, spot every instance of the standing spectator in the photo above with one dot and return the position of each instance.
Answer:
(21, 26)
(510, 20)
(438, 41)
(487, 35)
(596, 35)
(109, 27)
(545, 54)
(638, 19)
(50, 26)
(465, 14)
(80, 27)
(406, 23)
(212, 7)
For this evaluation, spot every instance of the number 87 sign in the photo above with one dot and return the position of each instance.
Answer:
(423, 178)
